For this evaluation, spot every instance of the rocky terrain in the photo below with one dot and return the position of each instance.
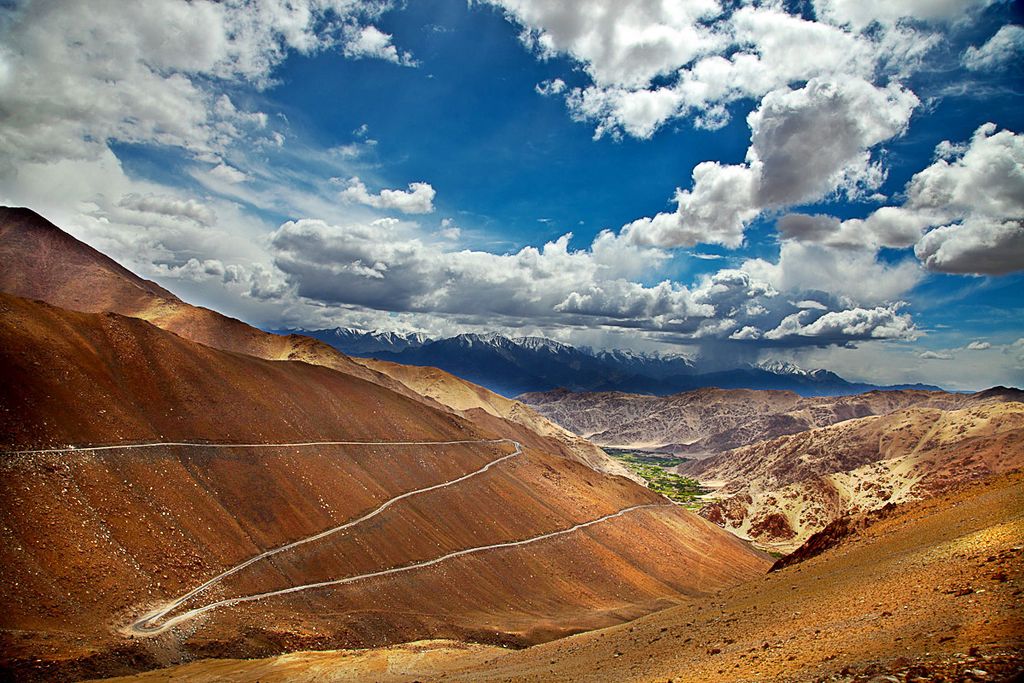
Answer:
(708, 421)
(926, 591)
(178, 460)
(780, 491)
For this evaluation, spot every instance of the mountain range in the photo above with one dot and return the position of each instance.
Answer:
(515, 365)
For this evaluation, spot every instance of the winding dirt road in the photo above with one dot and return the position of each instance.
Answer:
(142, 626)
(147, 626)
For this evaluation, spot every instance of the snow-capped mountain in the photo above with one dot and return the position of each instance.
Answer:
(361, 342)
(515, 365)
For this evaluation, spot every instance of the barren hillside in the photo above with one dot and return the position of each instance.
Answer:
(709, 421)
(929, 591)
(93, 540)
(778, 492)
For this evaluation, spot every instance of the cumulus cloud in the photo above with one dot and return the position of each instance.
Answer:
(552, 86)
(390, 265)
(387, 265)
(934, 355)
(619, 42)
(976, 246)
(805, 143)
(370, 41)
(77, 75)
(419, 198)
(888, 226)
(985, 177)
(862, 13)
(651, 61)
(813, 140)
(962, 214)
(976, 198)
(715, 211)
(881, 322)
(449, 230)
(855, 274)
(978, 345)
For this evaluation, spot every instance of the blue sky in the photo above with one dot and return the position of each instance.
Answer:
(833, 182)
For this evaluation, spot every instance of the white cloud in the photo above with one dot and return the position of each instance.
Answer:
(449, 230)
(984, 178)
(419, 198)
(978, 345)
(855, 274)
(388, 265)
(228, 174)
(652, 61)
(715, 211)
(976, 246)
(746, 333)
(976, 197)
(370, 41)
(972, 198)
(934, 355)
(888, 226)
(805, 143)
(552, 86)
(619, 42)
(1004, 49)
(166, 205)
(77, 75)
(861, 13)
(813, 140)
(882, 322)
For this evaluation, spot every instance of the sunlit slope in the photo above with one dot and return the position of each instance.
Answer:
(928, 591)
(93, 540)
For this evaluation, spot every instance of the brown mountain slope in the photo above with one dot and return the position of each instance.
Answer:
(708, 421)
(92, 540)
(779, 492)
(40, 261)
(462, 396)
(929, 592)
(43, 262)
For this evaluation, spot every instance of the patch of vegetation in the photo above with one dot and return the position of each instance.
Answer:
(652, 468)
(646, 457)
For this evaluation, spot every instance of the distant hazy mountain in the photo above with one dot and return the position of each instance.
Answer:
(512, 366)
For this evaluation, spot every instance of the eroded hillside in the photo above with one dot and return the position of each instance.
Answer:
(780, 491)
(709, 421)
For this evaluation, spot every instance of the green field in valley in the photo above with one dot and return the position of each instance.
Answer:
(653, 468)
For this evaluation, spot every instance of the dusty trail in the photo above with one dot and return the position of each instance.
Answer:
(205, 444)
(140, 627)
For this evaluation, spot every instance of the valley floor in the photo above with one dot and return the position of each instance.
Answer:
(931, 591)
